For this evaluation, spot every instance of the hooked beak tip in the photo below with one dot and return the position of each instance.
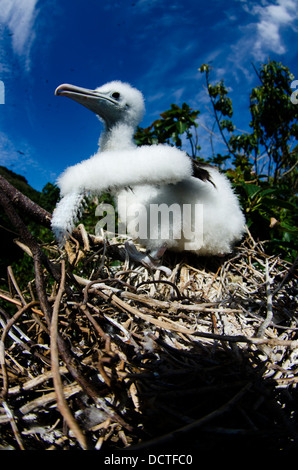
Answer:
(59, 89)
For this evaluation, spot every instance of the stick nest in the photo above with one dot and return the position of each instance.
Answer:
(99, 354)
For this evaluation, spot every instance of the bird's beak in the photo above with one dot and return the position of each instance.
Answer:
(91, 99)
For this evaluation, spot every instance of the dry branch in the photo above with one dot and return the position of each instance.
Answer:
(61, 400)
(24, 204)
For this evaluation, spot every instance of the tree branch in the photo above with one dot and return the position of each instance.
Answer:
(20, 201)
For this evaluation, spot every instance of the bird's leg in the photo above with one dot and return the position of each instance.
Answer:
(150, 260)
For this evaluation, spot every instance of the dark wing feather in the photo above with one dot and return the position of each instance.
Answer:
(200, 171)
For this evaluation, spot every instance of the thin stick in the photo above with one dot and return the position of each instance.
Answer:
(2, 342)
(18, 302)
(15, 284)
(174, 326)
(61, 402)
(269, 315)
(13, 425)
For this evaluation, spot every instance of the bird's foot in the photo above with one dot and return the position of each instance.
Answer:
(150, 260)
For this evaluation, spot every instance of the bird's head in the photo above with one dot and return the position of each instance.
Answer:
(115, 102)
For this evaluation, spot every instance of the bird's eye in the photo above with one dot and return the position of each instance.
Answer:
(116, 95)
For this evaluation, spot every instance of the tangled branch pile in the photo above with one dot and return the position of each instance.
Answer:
(104, 355)
(98, 354)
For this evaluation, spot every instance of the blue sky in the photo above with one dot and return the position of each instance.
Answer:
(156, 45)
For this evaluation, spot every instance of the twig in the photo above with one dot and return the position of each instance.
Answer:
(293, 344)
(2, 343)
(161, 281)
(6, 297)
(46, 398)
(269, 315)
(15, 284)
(12, 422)
(84, 235)
(61, 402)
(287, 277)
(85, 310)
(30, 384)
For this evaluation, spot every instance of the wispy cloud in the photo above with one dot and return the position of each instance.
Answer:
(261, 32)
(272, 20)
(19, 16)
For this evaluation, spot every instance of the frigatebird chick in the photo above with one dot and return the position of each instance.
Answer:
(201, 212)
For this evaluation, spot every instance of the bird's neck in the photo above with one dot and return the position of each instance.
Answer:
(117, 137)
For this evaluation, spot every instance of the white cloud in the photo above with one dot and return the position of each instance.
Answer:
(269, 38)
(257, 38)
(271, 20)
(19, 16)
(282, 13)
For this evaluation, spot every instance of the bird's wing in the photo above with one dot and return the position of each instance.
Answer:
(66, 215)
(157, 164)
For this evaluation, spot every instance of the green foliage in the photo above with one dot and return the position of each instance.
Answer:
(271, 215)
(20, 183)
(49, 197)
(174, 123)
(263, 162)
(274, 119)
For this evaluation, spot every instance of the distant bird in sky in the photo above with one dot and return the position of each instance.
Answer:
(200, 212)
